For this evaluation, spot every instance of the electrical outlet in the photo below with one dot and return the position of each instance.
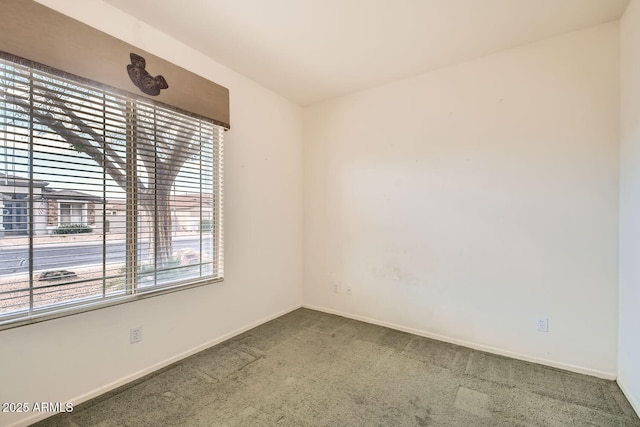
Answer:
(335, 288)
(135, 335)
(348, 291)
(542, 324)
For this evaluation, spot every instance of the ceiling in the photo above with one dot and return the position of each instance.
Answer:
(311, 50)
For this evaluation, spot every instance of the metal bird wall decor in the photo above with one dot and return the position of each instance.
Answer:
(142, 79)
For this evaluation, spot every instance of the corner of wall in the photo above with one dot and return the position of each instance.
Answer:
(629, 249)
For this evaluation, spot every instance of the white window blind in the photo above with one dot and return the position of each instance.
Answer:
(105, 197)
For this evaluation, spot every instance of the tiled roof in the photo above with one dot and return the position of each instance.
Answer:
(16, 181)
(70, 194)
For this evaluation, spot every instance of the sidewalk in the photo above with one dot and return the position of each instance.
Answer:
(78, 239)
(58, 238)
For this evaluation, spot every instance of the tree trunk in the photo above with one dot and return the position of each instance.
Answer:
(157, 209)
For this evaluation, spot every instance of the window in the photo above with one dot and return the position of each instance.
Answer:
(106, 197)
(72, 213)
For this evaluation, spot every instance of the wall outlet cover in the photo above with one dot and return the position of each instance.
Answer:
(135, 335)
(542, 324)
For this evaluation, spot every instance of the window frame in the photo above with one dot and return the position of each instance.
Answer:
(84, 209)
(140, 291)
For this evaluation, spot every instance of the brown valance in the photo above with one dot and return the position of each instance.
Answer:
(37, 33)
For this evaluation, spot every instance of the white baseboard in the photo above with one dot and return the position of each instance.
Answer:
(129, 378)
(635, 404)
(470, 344)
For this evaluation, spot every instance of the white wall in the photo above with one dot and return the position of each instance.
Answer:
(465, 202)
(629, 322)
(78, 357)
